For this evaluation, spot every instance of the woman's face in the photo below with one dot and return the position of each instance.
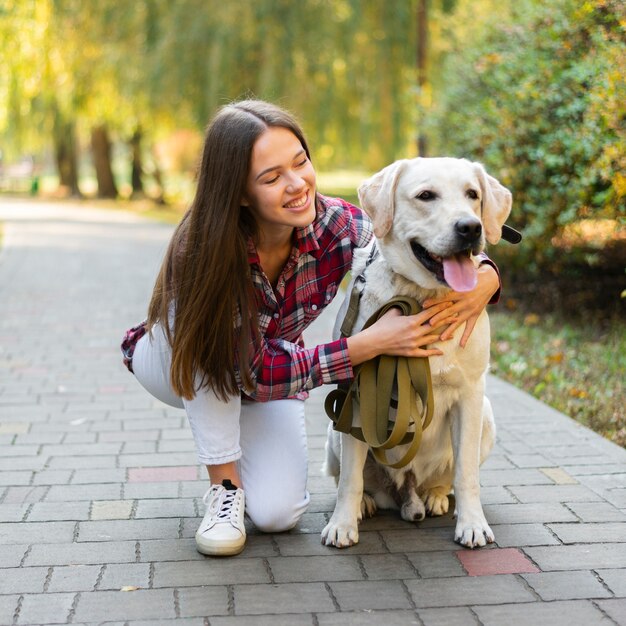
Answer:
(280, 190)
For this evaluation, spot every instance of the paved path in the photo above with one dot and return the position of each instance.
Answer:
(100, 491)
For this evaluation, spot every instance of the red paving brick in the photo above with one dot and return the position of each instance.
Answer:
(496, 561)
(161, 474)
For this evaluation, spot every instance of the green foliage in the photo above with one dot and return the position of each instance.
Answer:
(540, 98)
(569, 366)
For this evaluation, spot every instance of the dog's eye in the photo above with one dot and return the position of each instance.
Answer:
(472, 194)
(426, 195)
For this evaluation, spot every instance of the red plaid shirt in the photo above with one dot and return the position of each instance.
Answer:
(322, 255)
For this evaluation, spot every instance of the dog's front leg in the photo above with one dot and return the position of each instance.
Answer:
(343, 529)
(472, 529)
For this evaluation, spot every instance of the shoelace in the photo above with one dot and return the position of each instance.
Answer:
(221, 506)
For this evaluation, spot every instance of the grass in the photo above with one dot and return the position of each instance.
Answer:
(575, 366)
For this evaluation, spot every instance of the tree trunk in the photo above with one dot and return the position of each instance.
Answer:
(422, 70)
(65, 154)
(137, 167)
(101, 150)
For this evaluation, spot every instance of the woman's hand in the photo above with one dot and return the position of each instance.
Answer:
(400, 335)
(465, 307)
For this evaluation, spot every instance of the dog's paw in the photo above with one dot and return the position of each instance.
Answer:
(368, 506)
(413, 510)
(436, 501)
(473, 532)
(340, 535)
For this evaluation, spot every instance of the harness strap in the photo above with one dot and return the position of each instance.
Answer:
(372, 388)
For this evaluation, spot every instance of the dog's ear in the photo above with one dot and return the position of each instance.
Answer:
(377, 197)
(496, 204)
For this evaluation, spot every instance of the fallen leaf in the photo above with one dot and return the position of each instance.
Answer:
(129, 588)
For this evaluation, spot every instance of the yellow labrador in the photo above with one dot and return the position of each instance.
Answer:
(431, 218)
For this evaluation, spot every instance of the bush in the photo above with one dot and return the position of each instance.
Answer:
(542, 102)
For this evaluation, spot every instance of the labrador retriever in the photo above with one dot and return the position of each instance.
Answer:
(431, 217)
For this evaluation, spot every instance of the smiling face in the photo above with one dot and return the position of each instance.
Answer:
(280, 191)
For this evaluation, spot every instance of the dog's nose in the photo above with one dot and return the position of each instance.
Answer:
(469, 229)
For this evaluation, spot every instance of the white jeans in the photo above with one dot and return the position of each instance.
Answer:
(267, 439)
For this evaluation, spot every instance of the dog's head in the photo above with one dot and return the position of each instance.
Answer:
(432, 215)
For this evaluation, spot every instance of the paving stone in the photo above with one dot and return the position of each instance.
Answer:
(111, 509)
(82, 462)
(282, 598)
(567, 585)
(527, 513)
(615, 609)
(11, 556)
(14, 428)
(615, 579)
(118, 575)
(13, 512)
(16, 478)
(519, 535)
(24, 495)
(597, 512)
(448, 592)
(291, 619)
(456, 616)
(572, 613)
(577, 557)
(120, 530)
(142, 491)
(368, 617)
(143, 604)
(488, 562)
(22, 580)
(82, 553)
(65, 493)
(73, 578)
(161, 474)
(608, 532)
(174, 550)
(210, 572)
(102, 475)
(59, 511)
(315, 568)
(559, 475)
(388, 567)
(50, 608)
(203, 601)
(419, 539)
(165, 508)
(554, 493)
(37, 532)
(136, 435)
(436, 564)
(370, 595)
(52, 477)
(8, 605)
(514, 477)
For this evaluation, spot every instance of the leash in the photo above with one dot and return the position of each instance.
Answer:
(372, 388)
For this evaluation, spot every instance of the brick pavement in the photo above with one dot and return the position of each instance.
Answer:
(100, 493)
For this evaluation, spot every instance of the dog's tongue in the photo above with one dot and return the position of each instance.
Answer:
(460, 273)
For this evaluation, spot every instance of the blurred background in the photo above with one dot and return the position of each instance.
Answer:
(107, 101)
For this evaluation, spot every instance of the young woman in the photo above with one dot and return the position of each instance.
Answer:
(256, 258)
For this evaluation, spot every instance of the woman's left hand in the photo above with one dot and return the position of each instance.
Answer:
(466, 306)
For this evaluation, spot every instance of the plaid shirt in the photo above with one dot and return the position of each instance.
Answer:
(322, 255)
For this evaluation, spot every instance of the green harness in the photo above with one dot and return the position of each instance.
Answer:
(372, 388)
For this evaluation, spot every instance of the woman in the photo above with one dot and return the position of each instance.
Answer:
(256, 258)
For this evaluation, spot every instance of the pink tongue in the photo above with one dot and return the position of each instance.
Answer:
(460, 273)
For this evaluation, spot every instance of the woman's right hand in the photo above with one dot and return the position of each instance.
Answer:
(399, 335)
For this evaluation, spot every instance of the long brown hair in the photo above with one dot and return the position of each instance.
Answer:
(206, 271)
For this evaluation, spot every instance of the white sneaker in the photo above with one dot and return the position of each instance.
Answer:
(222, 532)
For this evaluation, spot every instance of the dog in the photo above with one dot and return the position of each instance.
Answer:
(431, 217)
